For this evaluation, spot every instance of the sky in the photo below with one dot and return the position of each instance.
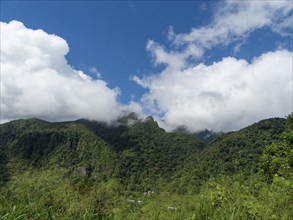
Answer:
(219, 65)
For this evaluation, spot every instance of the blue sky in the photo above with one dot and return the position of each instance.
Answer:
(134, 46)
(109, 35)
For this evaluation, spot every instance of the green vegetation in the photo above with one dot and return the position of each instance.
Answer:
(135, 170)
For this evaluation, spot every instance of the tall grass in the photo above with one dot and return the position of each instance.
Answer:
(51, 194)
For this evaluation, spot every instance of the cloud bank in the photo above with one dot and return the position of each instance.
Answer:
(228, 94)
(37, 81)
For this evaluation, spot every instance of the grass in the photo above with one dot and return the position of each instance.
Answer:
(49, 194)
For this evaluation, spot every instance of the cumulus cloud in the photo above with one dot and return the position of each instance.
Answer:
(37, 81)
(228, 94)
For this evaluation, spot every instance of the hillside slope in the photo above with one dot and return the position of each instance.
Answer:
(35, 143)
(240, 151)
(146, 152)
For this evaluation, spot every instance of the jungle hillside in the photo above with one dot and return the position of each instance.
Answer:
(133, 169)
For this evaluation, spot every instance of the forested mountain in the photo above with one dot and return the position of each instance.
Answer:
(206, 136)
(133, 169)
(240, 151)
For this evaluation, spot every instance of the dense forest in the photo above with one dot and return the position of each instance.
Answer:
(133, 169)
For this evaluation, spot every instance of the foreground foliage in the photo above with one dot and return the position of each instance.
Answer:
(50, 195)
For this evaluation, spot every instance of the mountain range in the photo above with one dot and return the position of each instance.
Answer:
(128, 158)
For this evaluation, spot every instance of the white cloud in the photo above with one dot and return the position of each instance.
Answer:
(237, 19)
(233, 21)
(37, 81)
(226, 95)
